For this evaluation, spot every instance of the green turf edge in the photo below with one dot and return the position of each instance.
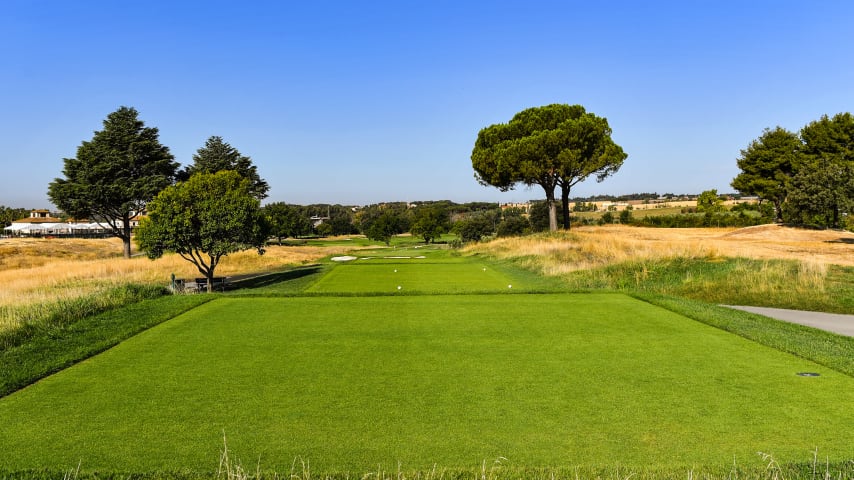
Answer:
(825, 348)
(763, 469)
(52, 350)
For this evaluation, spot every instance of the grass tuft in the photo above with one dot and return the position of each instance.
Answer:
(52, 318)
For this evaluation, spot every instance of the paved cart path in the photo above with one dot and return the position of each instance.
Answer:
(832, 322)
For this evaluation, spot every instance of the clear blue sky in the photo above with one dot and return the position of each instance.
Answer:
(359, 102)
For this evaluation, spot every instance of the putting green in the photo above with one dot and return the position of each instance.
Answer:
(351, 383)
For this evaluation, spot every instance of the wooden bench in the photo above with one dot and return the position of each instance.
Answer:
(218, 283)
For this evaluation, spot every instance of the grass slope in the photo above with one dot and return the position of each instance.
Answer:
(50, 347)
(826, 348)
(354, 382)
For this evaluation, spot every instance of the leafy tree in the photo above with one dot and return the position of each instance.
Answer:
(822, 194)
(626, 216)
(538, 215)
(511, 212)
(338, 219)
(216, 156)
(475, 227)
(822, 190)
(607, 217)
(550, 146)
(9, 215)
(204, 219)
(115, 174)
(429, 222)
(286, 221)
(768, 165)
(324, 229)
(584, 207)
(384, 227)
(399, 210)
(709, 201)
(513, 226)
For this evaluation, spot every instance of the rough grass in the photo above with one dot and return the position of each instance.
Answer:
(57, 315)
(39, 276)
(804, 270)
(764, 467)
(592, 247)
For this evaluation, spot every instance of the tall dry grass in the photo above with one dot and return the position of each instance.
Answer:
(760, 266)
(588, 248)
(591, 247)
(39, 272)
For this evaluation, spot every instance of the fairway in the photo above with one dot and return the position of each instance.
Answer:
(413, 274)
(350, 383)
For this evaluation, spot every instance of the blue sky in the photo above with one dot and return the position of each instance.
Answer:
(367, 101)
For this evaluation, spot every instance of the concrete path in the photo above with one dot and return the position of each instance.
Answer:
(832, 322)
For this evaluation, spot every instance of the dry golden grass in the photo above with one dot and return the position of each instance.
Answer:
(653, 259)
(38, 271)
(591, 247)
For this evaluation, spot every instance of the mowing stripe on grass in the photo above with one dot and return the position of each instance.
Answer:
(412, 275)
(354, 382)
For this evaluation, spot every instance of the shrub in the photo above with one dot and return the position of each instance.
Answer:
(513, 226)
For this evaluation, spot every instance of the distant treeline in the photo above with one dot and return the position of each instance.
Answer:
(646, 196)
(9, 215)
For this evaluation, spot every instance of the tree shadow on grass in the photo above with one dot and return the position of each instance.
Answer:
(270, 279)
(849, 241)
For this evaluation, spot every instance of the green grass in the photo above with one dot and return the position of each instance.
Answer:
(419, 273)
(31, 321)
(323, 364)
(353, 383)
(425, 270)
(42, 349)
(829, 349)
(731, 281)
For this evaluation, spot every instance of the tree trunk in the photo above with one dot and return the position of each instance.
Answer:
(549, 185)
(552, 213)
(210, 276)
(778, 210)
(125, 236)
(564, 205)
(836, 223)
(126, 246)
